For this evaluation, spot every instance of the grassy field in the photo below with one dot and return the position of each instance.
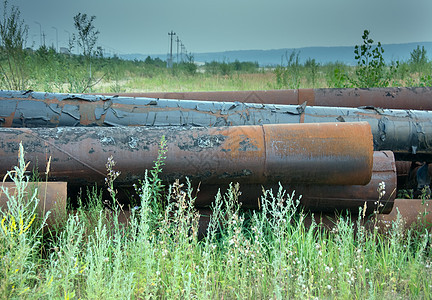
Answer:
(46, 70)
(146, 79)
(261, 254)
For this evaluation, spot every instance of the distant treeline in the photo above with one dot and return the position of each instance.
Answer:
(225, 68)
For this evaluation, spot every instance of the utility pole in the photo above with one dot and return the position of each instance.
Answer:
(170, 62)
(69, 40)
(178, 42)
(182, 51)
(57, 48)
(40, 31)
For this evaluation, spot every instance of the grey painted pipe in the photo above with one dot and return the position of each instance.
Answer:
(408, 133)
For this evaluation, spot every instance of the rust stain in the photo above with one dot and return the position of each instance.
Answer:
(306, 95)
(8, 120)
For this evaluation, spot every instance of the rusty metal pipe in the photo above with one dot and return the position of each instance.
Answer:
(52, 197)
(407, 133)
(324, 198)
(330, 153)
(414, 214)
(418, 98)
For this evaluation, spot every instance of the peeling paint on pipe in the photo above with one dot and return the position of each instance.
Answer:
(419, 98)
(407, 133)
(324, 198)
(330, 153)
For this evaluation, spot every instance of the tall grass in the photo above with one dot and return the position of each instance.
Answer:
(268, 253)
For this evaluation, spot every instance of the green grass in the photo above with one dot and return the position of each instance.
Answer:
(261, 254)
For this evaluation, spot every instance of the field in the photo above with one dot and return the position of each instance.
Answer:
(46, 70)
(160, 254)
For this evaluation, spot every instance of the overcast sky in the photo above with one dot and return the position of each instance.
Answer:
(142, 26)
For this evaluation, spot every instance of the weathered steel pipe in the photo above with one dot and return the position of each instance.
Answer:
(52, 197)
(405, 132)
(330, 153)
(419, 98)
(415, 214)
(324, 198)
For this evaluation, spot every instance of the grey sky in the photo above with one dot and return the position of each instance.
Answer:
(133, 26)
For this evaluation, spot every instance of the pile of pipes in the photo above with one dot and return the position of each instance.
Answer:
(332, 146)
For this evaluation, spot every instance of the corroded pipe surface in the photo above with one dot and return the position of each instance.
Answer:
(330, 153)
(324, 198)
(414, 214)
(419, 98)
(407, 133)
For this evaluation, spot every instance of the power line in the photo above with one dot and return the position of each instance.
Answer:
(178, 42)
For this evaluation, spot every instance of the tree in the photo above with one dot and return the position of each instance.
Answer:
(371, 69)
(418, 56)
(418, 60)
(13, 36)
(87, 33)
(87, 38)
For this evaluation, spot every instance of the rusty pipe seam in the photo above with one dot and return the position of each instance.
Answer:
(330, 153)
(405, 132)
(323, 198)
(417, 98)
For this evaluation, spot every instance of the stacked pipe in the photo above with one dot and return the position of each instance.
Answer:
(407, 133)
(391, 97)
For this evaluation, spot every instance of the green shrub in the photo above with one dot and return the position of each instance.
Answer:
(371, 69)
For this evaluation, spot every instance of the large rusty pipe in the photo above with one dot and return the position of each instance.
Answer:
(407, 133)
(414, 214)
(419, 98)
(324, 198)
(330, 153)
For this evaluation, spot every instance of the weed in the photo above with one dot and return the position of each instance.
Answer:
(13, 35)
(19, 234)
(157, 186)
(289, 76)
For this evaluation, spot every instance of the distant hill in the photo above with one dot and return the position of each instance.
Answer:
(392, 52)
